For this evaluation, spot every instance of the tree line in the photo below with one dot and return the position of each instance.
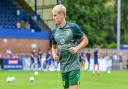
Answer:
(97, 18)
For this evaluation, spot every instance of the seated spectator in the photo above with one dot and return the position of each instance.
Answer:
(22, 24)
(35, 18)
(27, 25)
(18, 25)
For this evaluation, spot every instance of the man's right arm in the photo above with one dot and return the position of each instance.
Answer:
(54, 53)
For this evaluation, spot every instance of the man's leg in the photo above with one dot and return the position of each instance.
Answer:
(65, 80)
(74, 79)
(73, 87)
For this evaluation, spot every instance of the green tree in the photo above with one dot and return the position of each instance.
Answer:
(96, 18)
(124, 21)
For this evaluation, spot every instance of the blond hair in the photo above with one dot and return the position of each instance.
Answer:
(60, 9)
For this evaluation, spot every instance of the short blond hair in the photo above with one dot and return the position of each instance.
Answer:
(60, 9)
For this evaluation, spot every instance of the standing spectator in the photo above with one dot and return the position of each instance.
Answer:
(96, 62)
(109, 63)
(115, 62)
(34, 60)
(82, 60)
(88, 56)
(43, 61)
(127, 63)
(39, 58)
(121, 61)
(48, 60)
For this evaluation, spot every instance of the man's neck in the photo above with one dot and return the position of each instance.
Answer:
(62, 24)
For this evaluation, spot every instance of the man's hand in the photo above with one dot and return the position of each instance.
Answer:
(54, 53)
(56, 58)
(73, 50)
(83, 43)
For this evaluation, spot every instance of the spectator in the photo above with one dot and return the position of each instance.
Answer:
(18, 25)
(27, 25)
(82, 60)
(109, 63)
(43, 61)
(88, 56)
(127, 63)
(9, 52)
(34, 60)
(121, 61)
(96, 62)
(39, 58)
(35, 18)
(115, 62)
(49, 60)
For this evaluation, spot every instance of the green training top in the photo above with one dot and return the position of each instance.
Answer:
(64, 38)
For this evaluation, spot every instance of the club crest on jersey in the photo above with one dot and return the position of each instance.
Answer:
(62, 41)
(68, 32)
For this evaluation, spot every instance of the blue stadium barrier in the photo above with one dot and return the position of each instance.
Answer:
(23, 34)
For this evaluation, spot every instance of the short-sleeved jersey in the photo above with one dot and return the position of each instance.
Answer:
(64, 38)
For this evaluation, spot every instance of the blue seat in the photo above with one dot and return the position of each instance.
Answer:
(7, 14)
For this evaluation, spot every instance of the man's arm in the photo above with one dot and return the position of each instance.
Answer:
(83, 43)
(54, 53)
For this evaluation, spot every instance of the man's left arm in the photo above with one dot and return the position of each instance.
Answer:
(78, 34)
(83, 43)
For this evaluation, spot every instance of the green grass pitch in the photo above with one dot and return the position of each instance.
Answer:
(52, 80)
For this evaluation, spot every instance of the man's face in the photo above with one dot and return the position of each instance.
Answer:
(57, 17)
